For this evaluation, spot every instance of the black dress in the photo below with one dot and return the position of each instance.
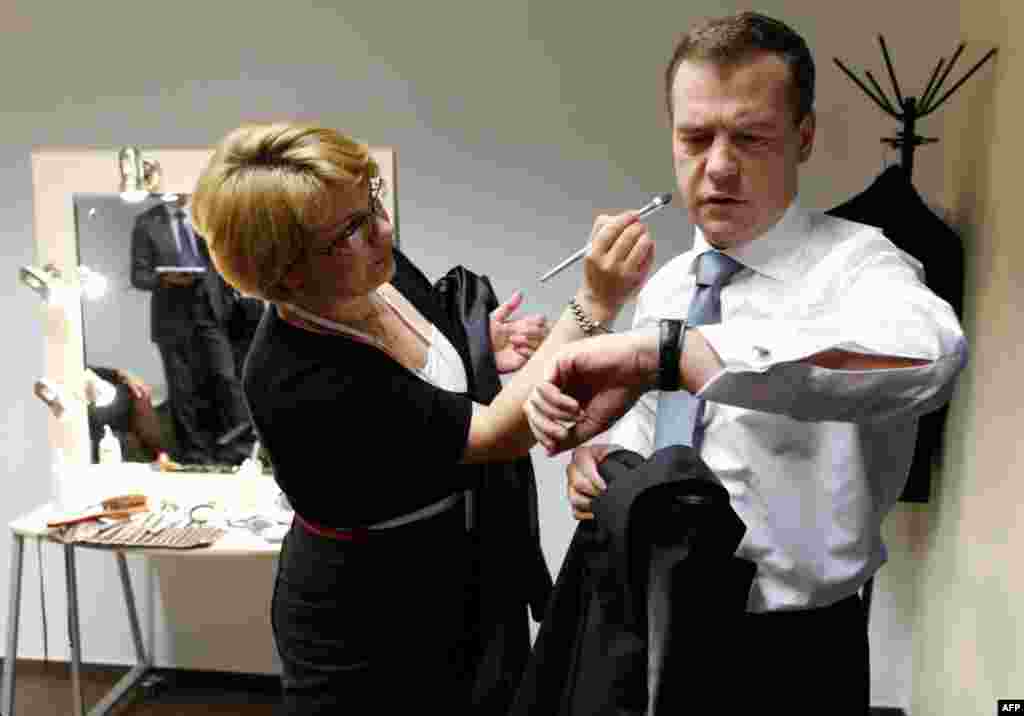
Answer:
(389, 620)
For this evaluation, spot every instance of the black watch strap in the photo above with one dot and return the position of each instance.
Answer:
(670, 331)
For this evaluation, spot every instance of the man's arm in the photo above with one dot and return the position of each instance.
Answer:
(890, 348)
(874, 359)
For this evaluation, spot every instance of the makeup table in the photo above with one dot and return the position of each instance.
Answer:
(231, 493)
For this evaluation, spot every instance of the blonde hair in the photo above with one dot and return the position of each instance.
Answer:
(265, 191)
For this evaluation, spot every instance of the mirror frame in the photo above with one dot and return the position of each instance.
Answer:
(58, 173)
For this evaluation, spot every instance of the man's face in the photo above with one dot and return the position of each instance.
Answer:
(737, 145)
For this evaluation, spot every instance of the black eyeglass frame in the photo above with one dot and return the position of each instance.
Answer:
(375, 212)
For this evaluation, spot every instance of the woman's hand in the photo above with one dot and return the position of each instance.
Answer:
(618, 262)
(515, 340)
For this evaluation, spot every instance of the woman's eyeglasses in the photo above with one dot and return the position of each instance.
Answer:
(364, 220)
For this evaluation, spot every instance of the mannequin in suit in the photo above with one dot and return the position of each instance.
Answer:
(892, 204)
(188, 315)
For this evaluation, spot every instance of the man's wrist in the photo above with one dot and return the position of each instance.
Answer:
(671, 335)
(647, 355)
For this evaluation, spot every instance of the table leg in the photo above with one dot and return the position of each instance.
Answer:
(135, 676)
(74, 631)
(13, 613)
(133, 615)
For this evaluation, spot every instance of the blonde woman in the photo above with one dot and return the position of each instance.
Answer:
(356, 383)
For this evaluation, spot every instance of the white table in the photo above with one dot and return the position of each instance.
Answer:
(93, 483)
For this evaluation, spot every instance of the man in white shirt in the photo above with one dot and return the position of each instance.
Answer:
(829, 348)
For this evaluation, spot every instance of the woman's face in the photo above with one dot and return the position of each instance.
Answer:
(351, 253)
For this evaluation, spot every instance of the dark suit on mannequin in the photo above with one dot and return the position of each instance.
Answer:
(892, 204)
(187, 323)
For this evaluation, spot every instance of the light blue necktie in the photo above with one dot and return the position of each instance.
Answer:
(679, 415)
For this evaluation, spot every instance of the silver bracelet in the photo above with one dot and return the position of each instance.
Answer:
(585, 322)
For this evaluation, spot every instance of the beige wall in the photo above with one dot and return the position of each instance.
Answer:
(969, 623)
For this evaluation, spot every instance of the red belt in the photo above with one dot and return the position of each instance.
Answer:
(356, 534)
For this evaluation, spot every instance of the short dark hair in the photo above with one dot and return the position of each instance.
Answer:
(734, 39)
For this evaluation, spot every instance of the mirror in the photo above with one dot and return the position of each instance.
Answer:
(69, 183)
(171, 342)
(115, 326)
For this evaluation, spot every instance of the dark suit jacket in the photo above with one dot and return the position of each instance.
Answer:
(512, 573)
(171, 308)
(892, 204)
(663, 535)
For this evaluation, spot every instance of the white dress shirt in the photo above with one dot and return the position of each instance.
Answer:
(813, 459)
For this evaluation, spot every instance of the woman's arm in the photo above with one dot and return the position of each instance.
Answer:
(617, 264)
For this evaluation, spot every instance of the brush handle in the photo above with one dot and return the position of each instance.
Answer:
(649, 208)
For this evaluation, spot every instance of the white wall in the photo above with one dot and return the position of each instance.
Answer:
(515, 122)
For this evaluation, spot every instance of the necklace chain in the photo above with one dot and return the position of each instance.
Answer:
(328, 325)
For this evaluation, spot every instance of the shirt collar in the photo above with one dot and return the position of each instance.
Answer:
(173, 209)
(779, 253)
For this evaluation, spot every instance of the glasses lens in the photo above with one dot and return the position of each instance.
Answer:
(360, 236)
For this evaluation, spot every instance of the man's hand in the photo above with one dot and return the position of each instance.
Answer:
(515, 340)
(584, 480)
(590, 385)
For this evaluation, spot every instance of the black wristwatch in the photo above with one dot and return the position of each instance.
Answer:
(671, 332)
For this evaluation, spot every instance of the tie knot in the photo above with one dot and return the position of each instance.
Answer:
(715, 268)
